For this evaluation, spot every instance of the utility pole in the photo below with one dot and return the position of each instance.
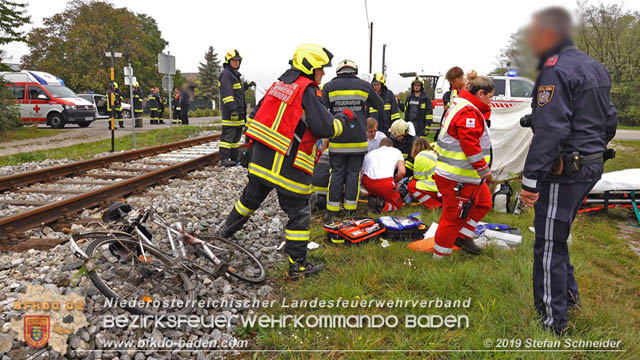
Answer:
(371, 47)
(128, 73)
(384, 64)
(113, 56)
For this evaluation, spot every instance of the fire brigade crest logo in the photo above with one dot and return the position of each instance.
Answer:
(545, 93)
(36, 330)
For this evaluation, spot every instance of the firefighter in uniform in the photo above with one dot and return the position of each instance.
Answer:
(162, 102)
(463, 167)
(117, 103)
(283, 131)
(175, 103)
(154, 103)
(233, 108)
(419, 109)
(573, 120)
(390, 114)
(346, 152)
(403, 141)
(138, 109)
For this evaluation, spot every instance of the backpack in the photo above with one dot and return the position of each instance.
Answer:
(403, 228)
(354, 231)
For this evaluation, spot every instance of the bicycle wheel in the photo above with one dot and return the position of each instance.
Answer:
(243, 265)
(149, 284)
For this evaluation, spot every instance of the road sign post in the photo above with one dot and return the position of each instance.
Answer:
(130, 80)
(113, 56)
(167, 66)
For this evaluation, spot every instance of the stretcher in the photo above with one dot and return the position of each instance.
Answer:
(615, 189)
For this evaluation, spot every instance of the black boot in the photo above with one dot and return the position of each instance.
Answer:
(372, 204)
(302, 268)
(121, 124)
(467, 245)
(331, 216)
(228, 163)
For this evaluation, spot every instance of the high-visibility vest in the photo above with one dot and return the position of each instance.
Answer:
(452, 162)
(424, 167)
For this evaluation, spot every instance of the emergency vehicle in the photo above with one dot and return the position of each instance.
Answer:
(510, 90)
(43, 98)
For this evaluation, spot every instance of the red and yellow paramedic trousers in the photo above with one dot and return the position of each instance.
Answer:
(451, 226)
(430, 199)
(386, 189)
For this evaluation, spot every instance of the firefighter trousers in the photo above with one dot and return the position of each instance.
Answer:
(555, 289)
(344, 185)
(230, 142)
(429, 199)
(297, 209)
(451, 226)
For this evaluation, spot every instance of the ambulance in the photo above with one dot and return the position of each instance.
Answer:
(43, 98)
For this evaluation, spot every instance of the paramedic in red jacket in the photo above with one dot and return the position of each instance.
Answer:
(463, 167)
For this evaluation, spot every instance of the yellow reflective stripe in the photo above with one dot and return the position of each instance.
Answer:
(277, 163)
(303, 163)
(337, 128)
(429, 116)
(225, 145)
(372, 110)
(297, 235)
(457, 171)
(347, 145)
(276, 122)
(361, 93)
(279, 180)
(268, 136)
(248, 122)
(233, 122)
(243, 210)
(423, 106)
(387, 106)
(332, 207)
(451, 154)
(408, 165)
(320, 189)
(237, 86)
(395, 116)
(227, 99)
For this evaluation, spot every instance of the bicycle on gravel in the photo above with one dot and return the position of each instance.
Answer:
(158, 278)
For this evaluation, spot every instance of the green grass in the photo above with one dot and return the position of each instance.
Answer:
(498, 283)
(88, 150)
(629, 127)
(28, 132)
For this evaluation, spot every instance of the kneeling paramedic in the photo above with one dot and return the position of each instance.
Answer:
(283, 130)
(463, 167)
(346, 152)
(573, 120)
(422, 186)
(378, 171)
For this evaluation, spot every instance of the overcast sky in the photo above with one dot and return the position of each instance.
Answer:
(426, 36)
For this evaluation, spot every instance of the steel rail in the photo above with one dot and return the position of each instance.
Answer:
(11, 226)
(31, 177)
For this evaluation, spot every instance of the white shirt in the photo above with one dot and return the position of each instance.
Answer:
(381, 163)
(375, 142)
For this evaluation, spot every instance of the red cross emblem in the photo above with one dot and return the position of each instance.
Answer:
(36, 108)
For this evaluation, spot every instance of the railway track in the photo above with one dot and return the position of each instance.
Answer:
(58, 193)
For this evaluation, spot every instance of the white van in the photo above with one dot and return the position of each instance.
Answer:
(43, 98)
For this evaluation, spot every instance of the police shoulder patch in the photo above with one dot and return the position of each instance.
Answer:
(545, 93)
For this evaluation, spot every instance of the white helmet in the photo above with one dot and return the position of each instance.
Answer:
(347, 67)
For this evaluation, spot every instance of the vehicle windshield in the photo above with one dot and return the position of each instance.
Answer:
(59, 91)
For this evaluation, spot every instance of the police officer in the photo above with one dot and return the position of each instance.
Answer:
(346, 152)
(283, 138)
(234, 107)
(418, 108)
(154, 104)
(390, 113)
(117, 103)
(138, 109)
(573, 120)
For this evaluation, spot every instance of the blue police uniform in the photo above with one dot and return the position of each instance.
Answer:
(573, 119)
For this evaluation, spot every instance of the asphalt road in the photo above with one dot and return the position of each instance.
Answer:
(98, 130)
(627, 134)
